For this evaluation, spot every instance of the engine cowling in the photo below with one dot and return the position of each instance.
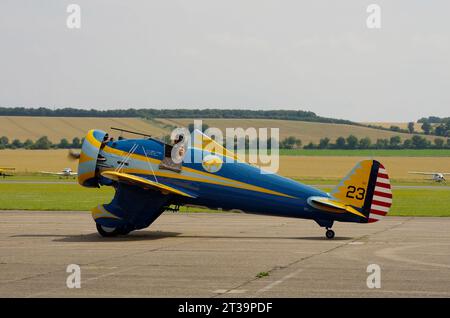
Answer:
(87, 164)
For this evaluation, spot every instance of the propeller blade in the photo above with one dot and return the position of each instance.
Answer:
(73, 155)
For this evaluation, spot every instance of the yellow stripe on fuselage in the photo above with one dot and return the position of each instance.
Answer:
(232, 183)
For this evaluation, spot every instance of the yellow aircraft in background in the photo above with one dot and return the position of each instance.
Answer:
(6, 172)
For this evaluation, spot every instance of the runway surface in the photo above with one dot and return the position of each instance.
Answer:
(220, 255)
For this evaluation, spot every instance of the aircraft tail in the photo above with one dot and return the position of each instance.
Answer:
(366, 188)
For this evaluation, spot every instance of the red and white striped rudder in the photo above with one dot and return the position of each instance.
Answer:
(382, 196)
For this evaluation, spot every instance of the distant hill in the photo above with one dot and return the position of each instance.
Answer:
(306, 131)
(151, 113)
(401, 125)
(56, 128)
(33, 123)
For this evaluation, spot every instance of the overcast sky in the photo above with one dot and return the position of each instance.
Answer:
(259, 54)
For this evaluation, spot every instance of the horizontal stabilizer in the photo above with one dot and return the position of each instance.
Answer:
(143, 182)
(332, 206)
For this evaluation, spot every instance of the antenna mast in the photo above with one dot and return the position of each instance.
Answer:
(131, 132)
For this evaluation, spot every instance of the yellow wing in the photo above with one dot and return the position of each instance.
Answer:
(142, 182)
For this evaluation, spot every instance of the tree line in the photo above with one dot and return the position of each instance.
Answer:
(431, 126)
(436, 126)
(151, 113)
(353, 142)
(41, 143)
(291, 142)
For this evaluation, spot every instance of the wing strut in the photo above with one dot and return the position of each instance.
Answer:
(149, 165)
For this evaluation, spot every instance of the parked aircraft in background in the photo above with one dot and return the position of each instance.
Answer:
(66, 172)
(435, 176)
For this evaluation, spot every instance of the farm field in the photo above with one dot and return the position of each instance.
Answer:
(56, 128)
(367, 152)
(402, 125)
(72, 197)
(336, 167)
(36, 160)
(301, 167)
(306, 131)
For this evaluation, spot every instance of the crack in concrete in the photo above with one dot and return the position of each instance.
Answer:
(278, 268)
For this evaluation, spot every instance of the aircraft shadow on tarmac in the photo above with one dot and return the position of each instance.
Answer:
(155, 235)
(95, 237)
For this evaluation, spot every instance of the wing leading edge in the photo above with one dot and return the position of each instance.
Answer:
(144, 183)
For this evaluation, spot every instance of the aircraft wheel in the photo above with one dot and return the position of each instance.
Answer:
(329, 234)
(123, 231)
(107, 231)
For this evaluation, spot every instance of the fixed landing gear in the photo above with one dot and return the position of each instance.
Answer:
(329, 234)
(111, 231)
(326, 224)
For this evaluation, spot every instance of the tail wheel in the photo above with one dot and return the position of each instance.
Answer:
(110, 231)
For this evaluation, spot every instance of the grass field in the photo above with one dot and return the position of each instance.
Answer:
(415, 202)
(52, 197)
(72, 197)
(38, 177)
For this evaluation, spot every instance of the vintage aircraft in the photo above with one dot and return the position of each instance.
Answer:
(435, 176)
(147, 182)
(66, 172)
(6, 172)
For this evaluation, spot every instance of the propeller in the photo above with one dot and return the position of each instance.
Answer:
(72, 155)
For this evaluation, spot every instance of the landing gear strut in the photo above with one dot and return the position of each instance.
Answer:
(326, 224)
(329, 234)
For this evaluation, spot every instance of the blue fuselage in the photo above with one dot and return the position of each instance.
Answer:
(235, 186)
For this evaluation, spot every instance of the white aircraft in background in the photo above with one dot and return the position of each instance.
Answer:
(66, 172)
(435, 176)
